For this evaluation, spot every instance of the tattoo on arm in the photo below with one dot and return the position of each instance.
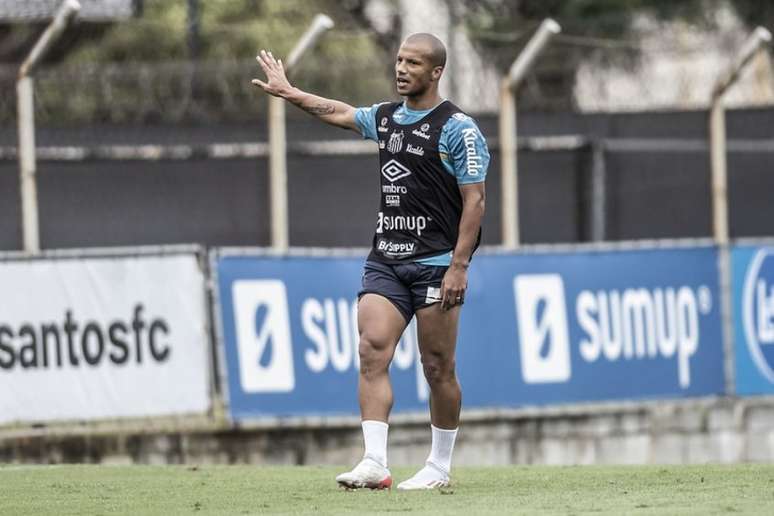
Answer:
(321, 108)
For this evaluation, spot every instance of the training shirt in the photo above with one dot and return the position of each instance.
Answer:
(463, 164)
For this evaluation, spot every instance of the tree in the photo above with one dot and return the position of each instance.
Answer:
(499, 29)
(139, 70)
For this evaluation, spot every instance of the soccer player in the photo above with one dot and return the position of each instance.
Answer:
(433, 162)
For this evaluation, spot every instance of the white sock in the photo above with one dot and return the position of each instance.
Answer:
(442, 448)
(375, 437)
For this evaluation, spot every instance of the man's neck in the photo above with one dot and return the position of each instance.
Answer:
(424, 102)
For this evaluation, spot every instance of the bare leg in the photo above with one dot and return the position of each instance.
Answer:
(380, 325)
(437, 330)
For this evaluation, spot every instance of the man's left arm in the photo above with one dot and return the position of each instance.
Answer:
(468, 157)
(455, 281)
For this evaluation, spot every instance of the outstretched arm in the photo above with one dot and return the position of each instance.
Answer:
(333, 112)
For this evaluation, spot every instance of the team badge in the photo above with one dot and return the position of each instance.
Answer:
(395, 143)
(424, 128)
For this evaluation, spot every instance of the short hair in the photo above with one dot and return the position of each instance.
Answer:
(437, 50)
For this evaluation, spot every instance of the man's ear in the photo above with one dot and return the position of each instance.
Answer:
(437, 72)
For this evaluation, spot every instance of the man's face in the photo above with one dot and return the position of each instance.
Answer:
(414, 72)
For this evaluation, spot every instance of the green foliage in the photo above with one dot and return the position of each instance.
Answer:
(500, 28)
(239, 29)
(756, 12)
(601, 18)
(228, 29)
(140, 71)
(156, 36)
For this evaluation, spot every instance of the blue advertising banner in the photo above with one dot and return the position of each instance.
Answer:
(752, 278)
(535, 329)
(290, 334)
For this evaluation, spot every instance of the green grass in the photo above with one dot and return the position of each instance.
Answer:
(169, 490)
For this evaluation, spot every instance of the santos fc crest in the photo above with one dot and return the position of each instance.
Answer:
(395, 143)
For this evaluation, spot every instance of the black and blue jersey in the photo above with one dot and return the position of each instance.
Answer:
(424, 157)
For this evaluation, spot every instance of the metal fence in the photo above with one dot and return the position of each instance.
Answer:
(576, 73)
(583, 178)
(190, 91)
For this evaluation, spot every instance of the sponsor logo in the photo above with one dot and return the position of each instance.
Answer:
(419, 151)
(383, 126)
(85, 344)
(433, 295)
(543, 333)
(472, 159)
(641, 324)
(627, 324)
(262, 328)
(421, 134)
(392, 170)
(758, 311)
(392, 201)
(462, 117)
(328, 334)
(395, 143)
(394, 189)
(396, 249)
(330, 326)
(424, 128)
(412, 223)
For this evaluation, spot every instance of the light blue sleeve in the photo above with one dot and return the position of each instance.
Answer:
(365, 119)
(466, 152)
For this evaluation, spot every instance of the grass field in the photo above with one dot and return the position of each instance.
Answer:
(169, 490)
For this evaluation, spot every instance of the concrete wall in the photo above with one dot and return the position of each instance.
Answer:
(679, 432)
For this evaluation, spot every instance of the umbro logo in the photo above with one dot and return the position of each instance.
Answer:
(392, 170)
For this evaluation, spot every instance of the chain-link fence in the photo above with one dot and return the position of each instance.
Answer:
(656, 68)
(609, 176)
(187, 91)
(673, 69)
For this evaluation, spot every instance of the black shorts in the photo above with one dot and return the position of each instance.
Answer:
(408, 286)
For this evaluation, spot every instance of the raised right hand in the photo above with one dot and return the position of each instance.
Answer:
(277, 83)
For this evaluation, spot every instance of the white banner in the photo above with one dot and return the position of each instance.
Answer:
(97, 338)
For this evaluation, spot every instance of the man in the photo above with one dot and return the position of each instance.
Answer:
(433, 164)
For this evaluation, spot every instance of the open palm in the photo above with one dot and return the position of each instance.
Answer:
(276, 81)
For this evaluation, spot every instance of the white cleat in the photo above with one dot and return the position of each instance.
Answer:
(369, 474)
(429, 477)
